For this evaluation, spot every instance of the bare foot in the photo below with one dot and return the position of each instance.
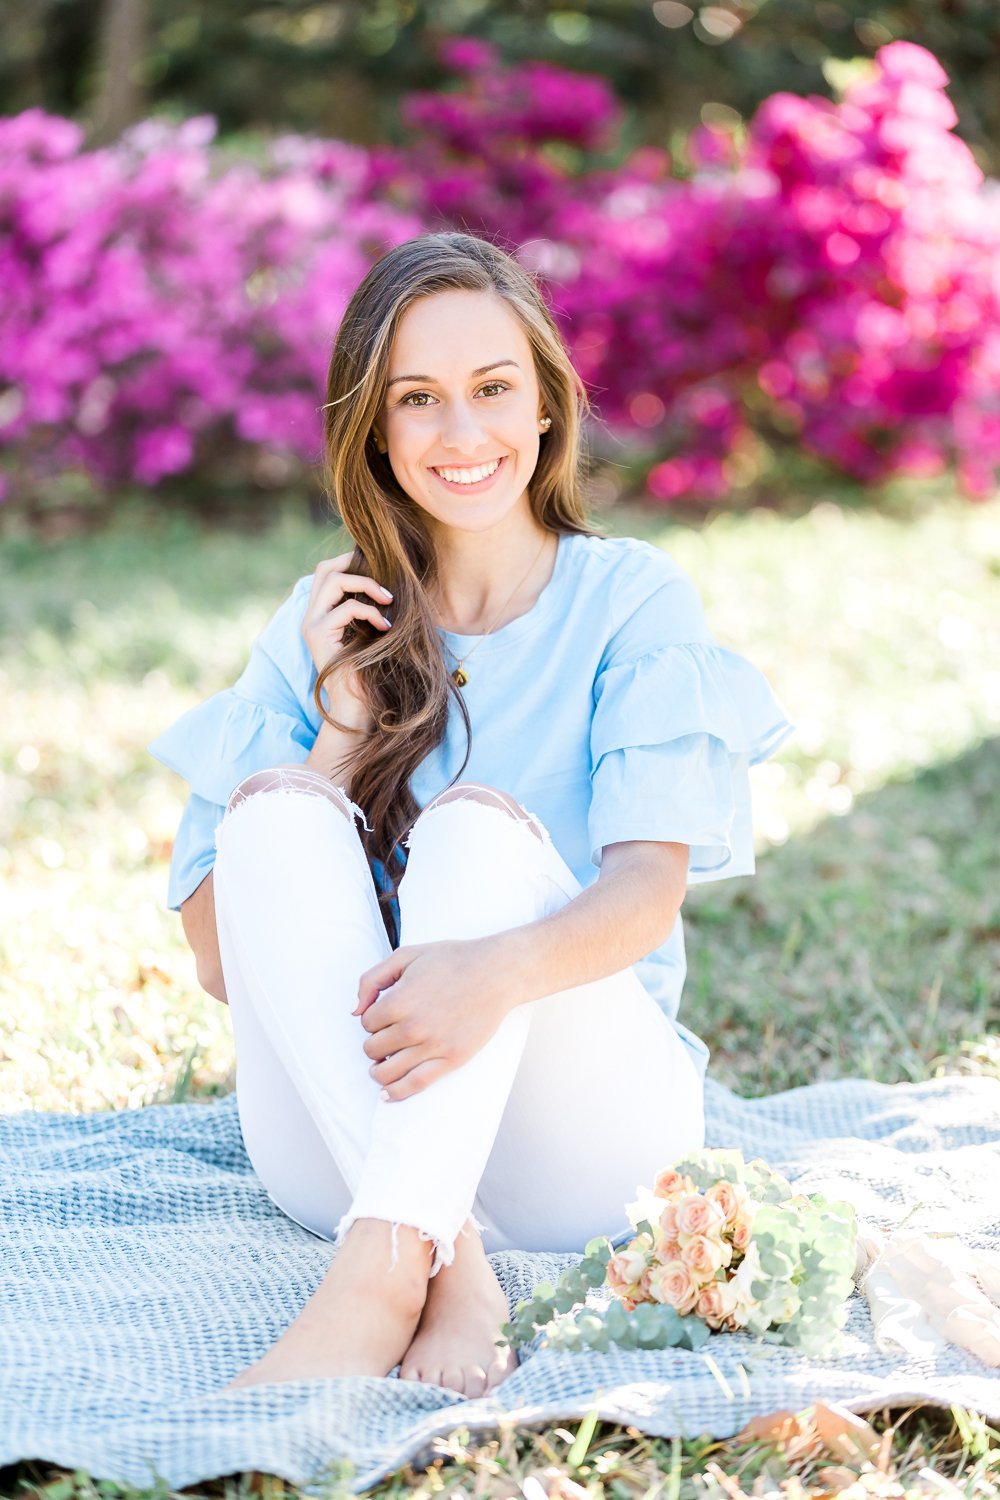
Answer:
(360, 1319)
(455, 1343)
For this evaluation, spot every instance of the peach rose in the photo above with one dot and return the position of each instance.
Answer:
(674, 1285)
(705, 1256)
(671, 1183)
(668, 1221)
(742, 1232)
(625, 1269)
(699, 1215)
(726, 1196)
(715, 1303)
(668, 1249)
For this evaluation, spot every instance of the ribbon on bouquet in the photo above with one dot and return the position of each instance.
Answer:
(927, 1289)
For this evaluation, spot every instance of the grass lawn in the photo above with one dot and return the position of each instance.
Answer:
(867, 943)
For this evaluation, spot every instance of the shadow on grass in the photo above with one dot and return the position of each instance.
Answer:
(869, 946)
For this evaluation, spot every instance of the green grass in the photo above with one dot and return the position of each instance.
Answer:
(867, 943)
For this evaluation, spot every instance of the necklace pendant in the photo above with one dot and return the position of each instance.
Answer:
(460, 677)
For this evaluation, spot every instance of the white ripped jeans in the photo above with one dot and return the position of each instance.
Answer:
(539, 1139)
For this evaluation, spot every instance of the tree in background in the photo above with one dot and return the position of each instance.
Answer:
(339, 68)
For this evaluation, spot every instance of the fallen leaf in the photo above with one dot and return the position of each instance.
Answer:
(774, 1427)
(848, 1437)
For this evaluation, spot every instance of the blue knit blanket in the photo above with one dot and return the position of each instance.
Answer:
(142, 1265)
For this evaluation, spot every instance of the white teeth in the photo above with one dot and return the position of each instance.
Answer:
(469, 476)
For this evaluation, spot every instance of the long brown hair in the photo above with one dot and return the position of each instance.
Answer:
(403, 671)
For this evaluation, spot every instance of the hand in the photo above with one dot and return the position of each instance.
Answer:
(327, 613)
(430, 1007)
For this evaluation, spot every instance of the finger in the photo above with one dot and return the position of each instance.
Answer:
(371, 985)
(355, 609)
(334, 620)
(381, 1013)
(383, 1043)
(381, 975)
(335, 585)
(397, 1064)
(329, 567)
(418, 1078)
(324, 634)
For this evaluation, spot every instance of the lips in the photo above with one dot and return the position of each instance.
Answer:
(480, 484)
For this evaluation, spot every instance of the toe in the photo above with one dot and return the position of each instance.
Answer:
(503, 1365)
(454, 1379)
(476, 1383)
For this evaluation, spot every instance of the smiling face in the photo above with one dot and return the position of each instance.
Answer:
(450, 421)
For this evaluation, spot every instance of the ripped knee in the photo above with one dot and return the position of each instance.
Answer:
(490, 796)
(291, 779)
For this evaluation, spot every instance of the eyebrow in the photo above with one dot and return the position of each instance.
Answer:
(483, 369)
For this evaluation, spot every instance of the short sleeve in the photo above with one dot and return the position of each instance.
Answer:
(677, 724)
(266, 718)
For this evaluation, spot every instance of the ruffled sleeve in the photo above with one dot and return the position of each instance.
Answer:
(266, 718)
(675, 729)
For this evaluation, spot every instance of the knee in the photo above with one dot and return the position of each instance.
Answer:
(490, 796)
(289, 779)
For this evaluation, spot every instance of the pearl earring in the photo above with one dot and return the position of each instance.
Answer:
(545, 423)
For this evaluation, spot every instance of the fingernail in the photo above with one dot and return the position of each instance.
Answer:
(385, 621)
(384, 1094)
(386, 592)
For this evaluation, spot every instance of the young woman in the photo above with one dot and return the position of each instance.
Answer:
(443, 904)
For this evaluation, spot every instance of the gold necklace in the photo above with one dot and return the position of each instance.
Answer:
(459, 675)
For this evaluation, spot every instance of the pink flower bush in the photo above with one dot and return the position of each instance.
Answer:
(161, 303)
(832, 280)
(828, 280)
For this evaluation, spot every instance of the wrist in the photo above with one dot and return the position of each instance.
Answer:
(357, 721)
(331, 750)
(511, 959)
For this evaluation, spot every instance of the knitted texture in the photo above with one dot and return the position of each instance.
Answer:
(142, 1265)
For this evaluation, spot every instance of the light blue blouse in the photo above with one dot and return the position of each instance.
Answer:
(608, 710)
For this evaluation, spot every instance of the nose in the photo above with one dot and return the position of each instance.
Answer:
(462, 430)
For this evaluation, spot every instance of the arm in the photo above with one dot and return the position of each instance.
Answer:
(415, 1002)
(198, 911)
(628, 911)
(198, 919)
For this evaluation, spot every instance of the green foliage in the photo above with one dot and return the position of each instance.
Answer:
(807, 1252)
(648, 1326)
(340, 70)
(764, 1184)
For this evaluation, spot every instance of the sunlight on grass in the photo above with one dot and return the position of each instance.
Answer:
(867, 943)
(876, 823)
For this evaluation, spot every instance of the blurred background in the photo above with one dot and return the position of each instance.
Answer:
(769, 231)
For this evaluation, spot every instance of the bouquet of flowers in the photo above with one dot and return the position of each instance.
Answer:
(718, 1244)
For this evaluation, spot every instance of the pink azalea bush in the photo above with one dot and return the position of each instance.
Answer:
(831, 280)
(163, 305)
(828, 278)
